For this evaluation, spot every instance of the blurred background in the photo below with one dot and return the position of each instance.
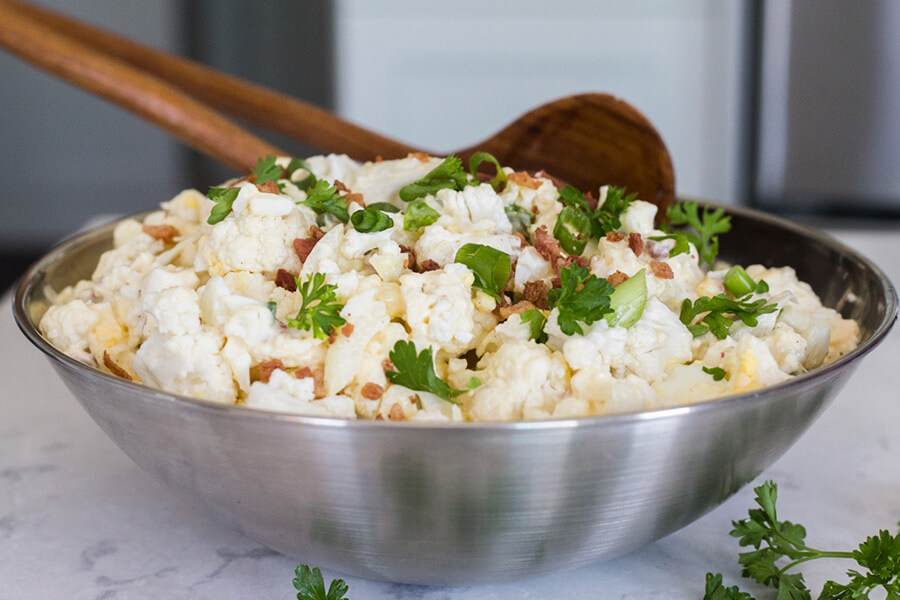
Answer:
(792, 106)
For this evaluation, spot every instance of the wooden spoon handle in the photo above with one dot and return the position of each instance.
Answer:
(240, 98)
(144, 95)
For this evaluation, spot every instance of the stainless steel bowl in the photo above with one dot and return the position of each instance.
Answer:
(470, 503)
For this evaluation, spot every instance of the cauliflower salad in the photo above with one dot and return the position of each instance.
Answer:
(414, 289)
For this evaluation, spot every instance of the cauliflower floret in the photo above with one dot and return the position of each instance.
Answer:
(611, 395)
(656, 343)
(381, 181)
(439, 308)
(365, 317)
(637, 218)
(187, 364)
(286, 393)
(474, 209)
(521, 380)
(67, 326)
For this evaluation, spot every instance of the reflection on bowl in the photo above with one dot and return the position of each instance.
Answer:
(470, 503)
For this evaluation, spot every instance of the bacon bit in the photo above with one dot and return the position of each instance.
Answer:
(396, 412)
(556, 182)
(388, 365)
(284, 279)
(657, 249)
(617, 278)
(341, 187)
(347, 330)
(166, 233)
(549, 249)
(581, 261)
(523, 179)
(379, 416)
(302, 247)
(269, 187)
(636, 243)
(318, 377)
(428, 265)
(536, 293)
(661, 269)
(556, 282)
(410, 261)
(266, 368)
(354, 197)
(505, 312)
(614, 236)
(523, 241)
(372, 391)
(114, 367)
(420, 156)
(315, 232)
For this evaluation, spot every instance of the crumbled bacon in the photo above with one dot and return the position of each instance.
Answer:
(536, 293)
(614, 236)
(315, 232)
(505, 312)
(347, 330)
(371, 391)
(340, 186)
(523, 179)
(318, 377)
(354, 197)
(284, 279)
(388, 365)
(266, 368)
(636, 243)
(549, 249)
(661, 270)
(114, 367)
(420, 156)
(303, 246)
(166, 233)
(396, 412)
(617, 278)
(428, 265)
(269, 187)
(581, 261)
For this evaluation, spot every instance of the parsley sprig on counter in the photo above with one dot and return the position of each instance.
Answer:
(415, 370)
(780, 546)
(320, 308)
(311, 585)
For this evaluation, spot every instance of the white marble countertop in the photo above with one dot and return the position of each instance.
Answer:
(78, 519)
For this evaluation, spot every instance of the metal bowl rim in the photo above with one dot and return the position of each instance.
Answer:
(147, 393)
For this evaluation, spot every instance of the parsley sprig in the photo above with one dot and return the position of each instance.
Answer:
(779, 546)
(224, 199)
(582, 296)
(700, 229)
(447, 175)
(267, 170)
(324, 198)
(578, 222)
(721, 312)
(311, 585)
(320, 308)
(415, 370)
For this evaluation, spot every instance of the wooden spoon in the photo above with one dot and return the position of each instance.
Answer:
(587, 140)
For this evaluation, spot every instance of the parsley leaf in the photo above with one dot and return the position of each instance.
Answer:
(536, 322)
(490, 266)
(418, 214)
(718, 373)
(416, 371)
(320, 308)
(447, 175)
(716, 591)
(721, 312)
(581, 297)
(267, 170)
(311, 586)
(609, 214)
(224, 199)
(325, 199)
(700, 230)
(370, 220)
